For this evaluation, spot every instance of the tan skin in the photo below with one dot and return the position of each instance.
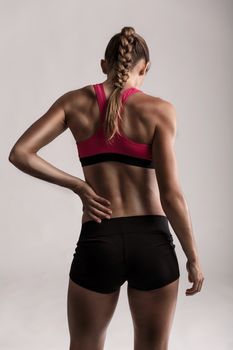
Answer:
(117, 189)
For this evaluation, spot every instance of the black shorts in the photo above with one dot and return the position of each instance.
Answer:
(138, 249)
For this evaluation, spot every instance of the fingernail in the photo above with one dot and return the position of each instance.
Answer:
(107, 216)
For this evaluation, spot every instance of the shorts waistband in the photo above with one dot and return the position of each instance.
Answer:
(133, 223)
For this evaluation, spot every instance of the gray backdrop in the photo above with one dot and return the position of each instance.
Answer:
(51, 47)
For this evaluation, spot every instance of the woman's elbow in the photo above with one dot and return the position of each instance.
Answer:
(168, 198)
(17, 155)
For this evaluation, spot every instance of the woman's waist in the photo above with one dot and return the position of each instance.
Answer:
(134, 201)
(147, 223)
(132, 207)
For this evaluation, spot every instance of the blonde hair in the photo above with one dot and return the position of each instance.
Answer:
(122, 53)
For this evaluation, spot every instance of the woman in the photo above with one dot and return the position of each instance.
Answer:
(125, 142)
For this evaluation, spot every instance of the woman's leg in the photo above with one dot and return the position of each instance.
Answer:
(89, 314)
(152, 314)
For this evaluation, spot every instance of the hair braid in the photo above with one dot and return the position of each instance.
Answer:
(124, 62)
(123, 52)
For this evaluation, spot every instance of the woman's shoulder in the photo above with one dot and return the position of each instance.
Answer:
(157, 101)
(156, 105)
(77, 97)
(84, 91)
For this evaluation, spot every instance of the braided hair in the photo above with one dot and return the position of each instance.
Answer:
(123, 52)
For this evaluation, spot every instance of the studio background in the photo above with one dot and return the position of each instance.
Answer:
(51, 47)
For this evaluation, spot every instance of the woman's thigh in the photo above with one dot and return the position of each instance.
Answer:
(152, 315)
(89, 314)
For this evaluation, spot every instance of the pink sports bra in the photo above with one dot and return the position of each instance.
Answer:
(95, 149)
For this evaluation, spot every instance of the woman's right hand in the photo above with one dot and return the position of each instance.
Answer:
(195, 276)
(95, 206)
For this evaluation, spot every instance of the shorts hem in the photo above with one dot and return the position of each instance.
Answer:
(91, 288)
(155, 287)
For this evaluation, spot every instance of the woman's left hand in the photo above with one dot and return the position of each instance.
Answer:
(96, 207)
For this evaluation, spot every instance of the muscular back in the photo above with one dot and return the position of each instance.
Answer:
(132, 190)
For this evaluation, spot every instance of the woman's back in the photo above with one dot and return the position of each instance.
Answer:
(124, 172)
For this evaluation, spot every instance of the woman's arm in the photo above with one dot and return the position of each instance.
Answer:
(24, 153)
(24, 156)
(171, 196)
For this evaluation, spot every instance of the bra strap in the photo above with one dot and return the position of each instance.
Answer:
(128, 93)
(100, 97)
